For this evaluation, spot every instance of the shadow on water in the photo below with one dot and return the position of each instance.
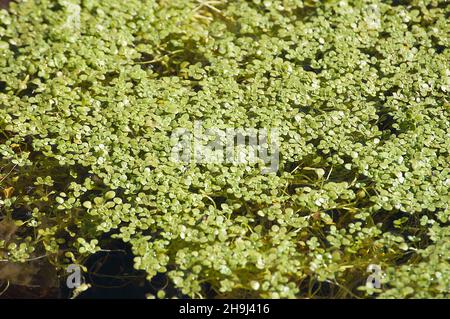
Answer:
(112, 276)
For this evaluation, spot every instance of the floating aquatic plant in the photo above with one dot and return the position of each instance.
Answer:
(91, 91)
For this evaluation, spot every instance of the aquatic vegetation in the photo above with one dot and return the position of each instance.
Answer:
(91, 92)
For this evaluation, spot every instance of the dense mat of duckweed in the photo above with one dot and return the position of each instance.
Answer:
(91, 91)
